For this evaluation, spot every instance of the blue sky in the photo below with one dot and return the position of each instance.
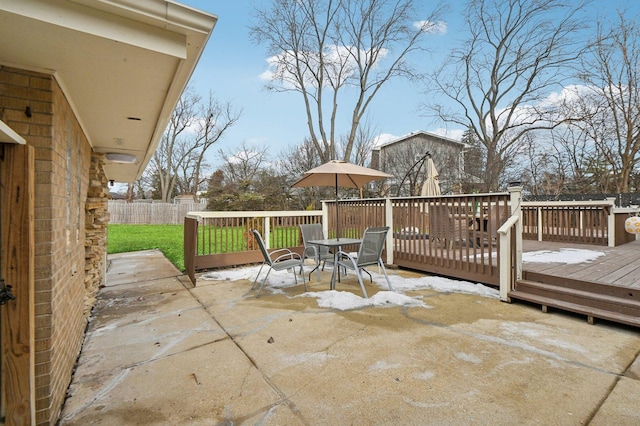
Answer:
(231, 65)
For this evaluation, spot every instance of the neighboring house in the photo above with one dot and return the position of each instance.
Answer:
(404, 159)
(86, 90)
(184, 199)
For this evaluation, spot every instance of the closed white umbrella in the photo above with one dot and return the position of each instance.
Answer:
(431, 186)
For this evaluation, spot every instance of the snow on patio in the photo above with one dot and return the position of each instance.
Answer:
(344, 300)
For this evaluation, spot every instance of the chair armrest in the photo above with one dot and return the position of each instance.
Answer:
(289, 255)
(314, 249)
(341, 253)
(273, 252)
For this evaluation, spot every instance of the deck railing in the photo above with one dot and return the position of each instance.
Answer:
(452, 235)
(578, 222)
(466, 249)
(223, 239)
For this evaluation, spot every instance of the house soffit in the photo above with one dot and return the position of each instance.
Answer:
(122, 64)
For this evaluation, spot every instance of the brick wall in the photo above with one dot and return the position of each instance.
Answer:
(69, 227)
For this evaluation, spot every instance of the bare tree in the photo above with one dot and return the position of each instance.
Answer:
(575, 143)
(363, 144)
(242, 165)
(543, 169)
(516, 52)
(191, 174)
(339, 52)
(612, 121)
(192, 129)
(292, 163)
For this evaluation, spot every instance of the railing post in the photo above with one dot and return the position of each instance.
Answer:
(611, 223)
(388, 219)
(190, 241)
(267, 232)
(507, 270)
(505, 266)
(539, 218)
(325, 219)
(516, 208)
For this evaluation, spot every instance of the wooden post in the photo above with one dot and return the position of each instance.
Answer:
(325, 219)
(18, 263)
(267, 231)
(388, 215)
(539, 218)
(516, 209)
(513, 224)
(190, 247)
(505, 266)
(611, 223)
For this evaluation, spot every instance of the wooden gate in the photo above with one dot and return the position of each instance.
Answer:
(17, 268)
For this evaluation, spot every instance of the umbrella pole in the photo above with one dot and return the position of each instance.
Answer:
(337, 213)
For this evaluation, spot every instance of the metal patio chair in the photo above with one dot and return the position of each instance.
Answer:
(284, 259)
(320, 254)
(370, 253)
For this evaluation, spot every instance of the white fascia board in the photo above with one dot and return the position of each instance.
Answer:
(102, 23)
(161, 13)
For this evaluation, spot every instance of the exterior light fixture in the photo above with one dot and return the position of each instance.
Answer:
(119, 157)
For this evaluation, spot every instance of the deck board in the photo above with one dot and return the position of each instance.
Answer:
(619, 266)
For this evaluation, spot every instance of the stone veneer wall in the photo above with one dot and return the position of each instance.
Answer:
(70, 227)
(97, 218)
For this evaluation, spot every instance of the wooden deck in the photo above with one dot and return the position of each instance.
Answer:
(619, 266)
(607, 287)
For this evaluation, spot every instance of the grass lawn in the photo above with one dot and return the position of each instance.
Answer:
(167, 238)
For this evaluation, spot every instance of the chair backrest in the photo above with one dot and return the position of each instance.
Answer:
(440, 221)
(312, 231)
(372, 245)
(263, 248)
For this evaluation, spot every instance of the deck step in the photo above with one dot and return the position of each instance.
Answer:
(623, 292)
(627, 304)
(593, 305)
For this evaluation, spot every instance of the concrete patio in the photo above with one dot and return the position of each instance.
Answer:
(160, 351)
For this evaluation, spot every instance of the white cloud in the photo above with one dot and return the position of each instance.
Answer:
(455, 134)
(339, 64)
(568, 94)
(428, 27)
(383, 138)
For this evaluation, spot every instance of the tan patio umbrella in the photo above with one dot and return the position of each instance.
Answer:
(431, 186)
(339, 173)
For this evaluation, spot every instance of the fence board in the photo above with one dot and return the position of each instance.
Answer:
(151, 213)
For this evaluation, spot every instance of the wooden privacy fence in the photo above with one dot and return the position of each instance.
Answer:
(150, 213)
